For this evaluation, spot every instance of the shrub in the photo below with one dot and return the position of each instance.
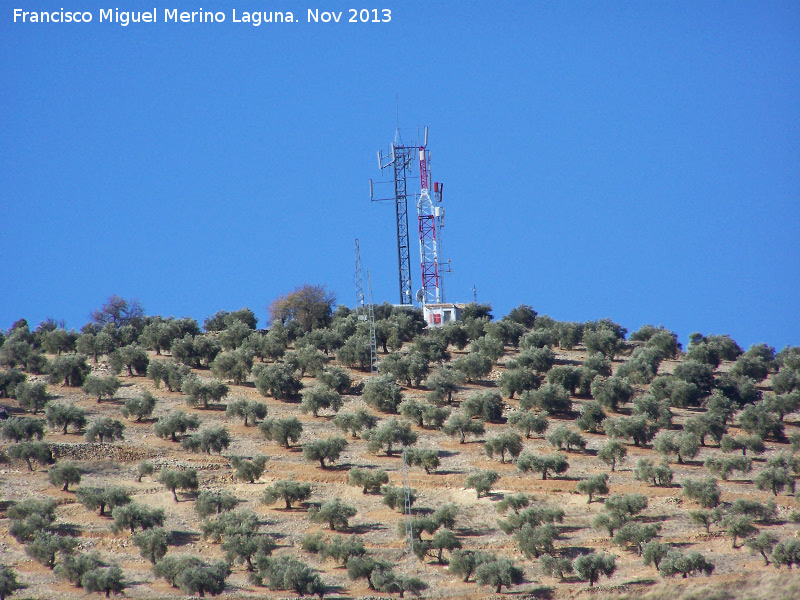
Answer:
(8, 582)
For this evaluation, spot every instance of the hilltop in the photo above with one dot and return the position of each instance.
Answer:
(630, 417)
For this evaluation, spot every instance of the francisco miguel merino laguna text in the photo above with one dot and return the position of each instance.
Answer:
(174, 16)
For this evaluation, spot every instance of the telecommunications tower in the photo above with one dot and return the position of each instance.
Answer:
(430, 219)
(364, 311)
(401, 159)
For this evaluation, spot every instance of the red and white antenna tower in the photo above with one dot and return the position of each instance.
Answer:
(430, 215)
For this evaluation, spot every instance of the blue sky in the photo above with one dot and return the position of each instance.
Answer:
(632, 160)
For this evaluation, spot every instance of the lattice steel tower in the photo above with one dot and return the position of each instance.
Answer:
(401, 159)
(430, 220)
(364, 311)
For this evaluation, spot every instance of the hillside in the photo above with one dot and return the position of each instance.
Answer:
(689, 413)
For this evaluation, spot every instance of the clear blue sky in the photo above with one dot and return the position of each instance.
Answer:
(632, 160)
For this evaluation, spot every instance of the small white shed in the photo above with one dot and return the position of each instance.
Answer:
(437, 315)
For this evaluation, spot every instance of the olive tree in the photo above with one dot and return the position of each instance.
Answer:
(321, 450)
(139, 407)
(64, 473)
(283, 431)
(101, 386)
(174, 480)
(590, 567)
(391, 432)
(104, 429)
(334, 512)
(482, 481)
(288, 491)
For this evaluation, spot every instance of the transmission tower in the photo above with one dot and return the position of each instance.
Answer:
(359, 281)
(407, 506)
(373, 340)
(366, 312)
(401, 159)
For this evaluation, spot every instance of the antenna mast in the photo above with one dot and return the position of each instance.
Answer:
(407, 506)
(366, 312)
(373, 340)
(401, 159)
(430, 218)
